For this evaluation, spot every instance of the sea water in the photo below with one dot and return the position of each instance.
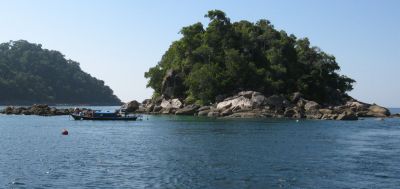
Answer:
(193, 152)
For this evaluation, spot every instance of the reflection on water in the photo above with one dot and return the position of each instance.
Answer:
(189, 152)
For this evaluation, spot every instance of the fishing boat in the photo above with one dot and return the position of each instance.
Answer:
(104, 115)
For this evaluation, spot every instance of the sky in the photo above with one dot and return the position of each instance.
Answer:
(118, 40)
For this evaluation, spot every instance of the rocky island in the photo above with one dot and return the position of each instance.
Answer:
(245, 69)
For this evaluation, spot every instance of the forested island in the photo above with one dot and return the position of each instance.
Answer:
(225, 58)
(245, 69)
(30, 74)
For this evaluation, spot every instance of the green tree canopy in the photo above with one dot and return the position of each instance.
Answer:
(30, 74)
(226, 57)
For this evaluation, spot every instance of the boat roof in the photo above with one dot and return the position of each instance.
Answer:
(104, 112)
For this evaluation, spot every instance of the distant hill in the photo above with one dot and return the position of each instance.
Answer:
(30, 74)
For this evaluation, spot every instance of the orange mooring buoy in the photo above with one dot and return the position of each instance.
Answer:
(64, 132)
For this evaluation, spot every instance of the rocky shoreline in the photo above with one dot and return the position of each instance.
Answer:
(252, 104)
(36, 109)
(245, 104)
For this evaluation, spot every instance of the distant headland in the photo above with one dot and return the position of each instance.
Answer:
(30, 74)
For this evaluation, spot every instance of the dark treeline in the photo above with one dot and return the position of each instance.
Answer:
(30, 74)
(227, 57)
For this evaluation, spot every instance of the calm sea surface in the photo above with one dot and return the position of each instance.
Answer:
(190, 152)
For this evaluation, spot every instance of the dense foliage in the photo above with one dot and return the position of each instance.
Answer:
(30, 74)
(226, 57)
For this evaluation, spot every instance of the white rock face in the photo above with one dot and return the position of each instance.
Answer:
(239, 102)
(165, 104)
(224, 104)
(176, 103)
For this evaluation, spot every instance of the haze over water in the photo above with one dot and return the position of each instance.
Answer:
(192, 152)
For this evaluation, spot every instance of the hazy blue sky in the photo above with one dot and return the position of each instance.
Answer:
(117, 41)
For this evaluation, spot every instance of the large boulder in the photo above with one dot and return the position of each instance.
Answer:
(203, 112)
(240, 102)
(131, 106)
(176, 103)
(258, 100)
(157, 108)
(213, 114)
(146, 102)
(293, 112)
(277, 102)
(8, 110)
(226, 112)
(315, 114)
(311, 109)
(378, 111)
(311, 106)
(165, 104)
(358, 106)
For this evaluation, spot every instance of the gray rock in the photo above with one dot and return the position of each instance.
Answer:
(240, 101)
(396, 115)
(313, 114)
(149, 107)
(326, 111)
(226, 112)
(203, 112)
(187, 110)
(378, 111)
(176, 103)
(310, 106)
(213, 114)
(131, 106)
(358, 106)
(347, 116)
(258, 100)
(166, 104)
(277, 102)
(167, 111)
(157, 108)
(146, 101)
(331, 116)
(289, 113)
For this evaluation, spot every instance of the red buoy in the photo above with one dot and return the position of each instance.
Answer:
(64, 132)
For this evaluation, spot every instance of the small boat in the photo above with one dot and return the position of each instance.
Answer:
(103, 116)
